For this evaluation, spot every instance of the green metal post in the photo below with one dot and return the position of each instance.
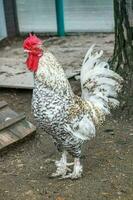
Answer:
(60, 17)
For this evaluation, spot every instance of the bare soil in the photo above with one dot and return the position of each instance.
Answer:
(25, 168)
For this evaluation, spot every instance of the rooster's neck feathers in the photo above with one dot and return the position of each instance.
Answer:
(51, 73)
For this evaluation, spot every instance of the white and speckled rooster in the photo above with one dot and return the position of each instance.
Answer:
(70, 119)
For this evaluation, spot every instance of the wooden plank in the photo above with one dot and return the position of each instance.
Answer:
(6, 112)
(6, 139)
(3, 104)
(15, 133)
(13, 126)
(14, 74)
(22, 129)
(12, 121)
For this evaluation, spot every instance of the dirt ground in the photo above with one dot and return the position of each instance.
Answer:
(25, 168)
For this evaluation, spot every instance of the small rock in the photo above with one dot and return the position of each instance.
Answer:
(60, 198)
(119, 193)
(20, 165)
(29, 192)
(7, 48)
(6, 191)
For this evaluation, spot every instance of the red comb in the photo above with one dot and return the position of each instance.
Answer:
(31, 42)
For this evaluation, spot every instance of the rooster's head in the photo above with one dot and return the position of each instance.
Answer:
(32, 45)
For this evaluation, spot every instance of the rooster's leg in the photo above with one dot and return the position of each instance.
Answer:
(77, 170)
(62, 166)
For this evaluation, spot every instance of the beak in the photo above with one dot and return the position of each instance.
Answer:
(27, 51)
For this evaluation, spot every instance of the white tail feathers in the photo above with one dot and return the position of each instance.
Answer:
(99, 84)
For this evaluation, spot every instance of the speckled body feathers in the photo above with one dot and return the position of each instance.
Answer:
(69, 119)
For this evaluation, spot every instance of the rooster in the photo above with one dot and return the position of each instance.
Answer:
(69, 119)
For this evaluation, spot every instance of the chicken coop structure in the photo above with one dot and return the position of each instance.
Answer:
(51, 16)
(22, 16)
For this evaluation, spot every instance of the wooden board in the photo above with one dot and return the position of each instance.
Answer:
(13, 126)
(14, 74)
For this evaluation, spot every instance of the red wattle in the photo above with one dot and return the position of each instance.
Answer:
(33, 59)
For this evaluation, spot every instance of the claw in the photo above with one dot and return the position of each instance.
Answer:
(77, 171)
(56, 174)
(62, 166)
(71, 176)
(70, 164)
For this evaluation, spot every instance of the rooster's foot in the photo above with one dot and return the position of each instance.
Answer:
(62, 169)
(62, 166)
(77, 170)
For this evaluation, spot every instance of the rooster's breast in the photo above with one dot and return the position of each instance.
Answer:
(49, 107)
